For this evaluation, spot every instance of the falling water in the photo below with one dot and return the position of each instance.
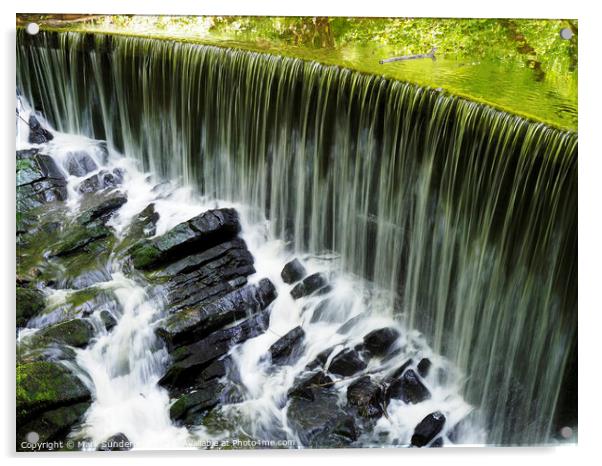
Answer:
(467, 215)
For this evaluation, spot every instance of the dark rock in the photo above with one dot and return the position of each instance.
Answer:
(378, 342)
(33, 166)
(428, 429)
(108, 320)
(309, 285)
(52, 425)
(43, 386)
(287, 349)
(399, 371)
(79, 237)
(424, 367)
(30, 302)
(190, 408)
(104, 209)
(79, 163)
(366, 396)
(75, 332)
(190, 359)
(117, 442)
(346, 363)
(437, 443)
(102, 180)
(309, 386)
(197, 234)
(196, 322)
(293, 271)
(38, 134)
(408, 388)
(39, 180)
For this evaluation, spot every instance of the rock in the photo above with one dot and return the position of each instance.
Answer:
(293, 271)
(190, 359)
(38, 134)
(197, 322)
(347, 326)
(378, 342)
(102, 180)
(30, 302)
(76, 333)
(39, 180)
(346, 363)
(366, 396)
(424, 367)
(309, 285)
(79, 238)
(196, 235)
(51, 425)
(428, 429)
(408, 388)
(308, 386)
(79, 163)
(103, 209)
(288, 348)
(190, 408)
(400, 370)
(108, 320)
(320, 422)
(437, 443)
(117, 442)
(33, 166)
(43, 386)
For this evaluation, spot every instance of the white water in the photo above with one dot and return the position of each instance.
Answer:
(122, 367)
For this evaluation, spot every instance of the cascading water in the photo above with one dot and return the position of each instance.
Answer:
(464, 213)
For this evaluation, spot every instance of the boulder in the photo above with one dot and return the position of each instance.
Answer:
(190, 408)
(378, 342)
(408, 388)
(75, 332)
(192, 358)
(108, 320)
(428, 429)
(197, 234)
(117, 442)
(424, 367)
(79, 163)
(346, 363)
(30, 302)
(293, 271)
(38, 134)
(197, 322)
(366, 396)
(44, 386)
(288, 349)
(310, 285)
(307, 387)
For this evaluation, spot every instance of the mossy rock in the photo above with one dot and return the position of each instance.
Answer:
(43, 386)
(76, 333)
(30, 302)
(52, 425)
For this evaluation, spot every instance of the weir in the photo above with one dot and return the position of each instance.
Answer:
(466, 214)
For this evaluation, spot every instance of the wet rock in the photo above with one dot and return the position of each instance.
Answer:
(52, 425)
(408, 388)
(378, 342)
(366, 396)
(38, 134)
(108, 320)
(103, 209)
(197, 322)
(79, 237)
(308, 386)
(428, 429)
(437, 443)
(39, 180)
(102, 180)
(190, 359)
(346, 363)
(117, 442)
(424, 367)
(75, 332)
(30, 302)
(196, 235)
(190, 408)
(320, 422)
(288, 348)
(399, 371)
(309, 285)
(293, 271)
(79, 163)
(43, 386)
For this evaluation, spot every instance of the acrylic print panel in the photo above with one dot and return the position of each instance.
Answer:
(262, 232)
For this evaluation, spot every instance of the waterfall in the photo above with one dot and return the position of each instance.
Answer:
(465, 213)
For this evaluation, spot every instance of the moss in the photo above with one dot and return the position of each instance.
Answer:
(144, 254)
(45, 385)
(30, 302)
(75, 332)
